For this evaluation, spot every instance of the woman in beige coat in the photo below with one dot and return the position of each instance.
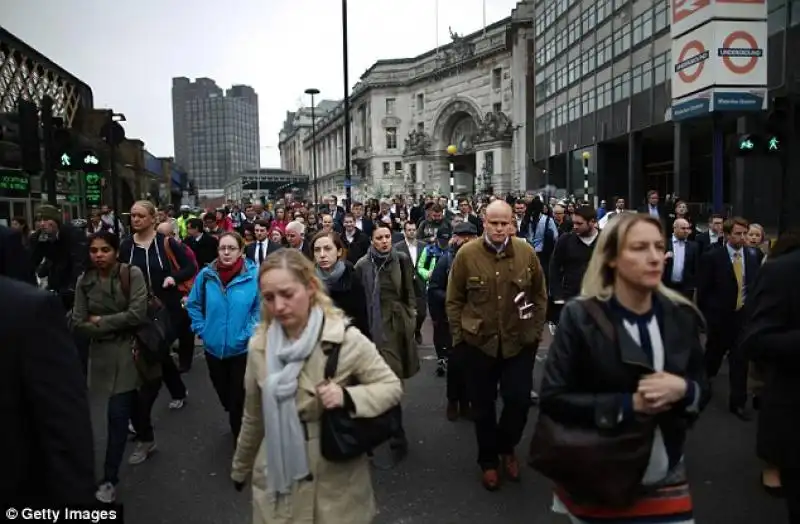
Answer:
(286, 394)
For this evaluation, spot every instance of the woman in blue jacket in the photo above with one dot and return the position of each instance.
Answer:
(224, 309)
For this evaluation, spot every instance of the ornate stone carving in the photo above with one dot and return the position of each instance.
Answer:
(461, 49)
(390, 121)
(417, 143)
(495, 126)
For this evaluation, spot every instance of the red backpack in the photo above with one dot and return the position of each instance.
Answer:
(184, 287)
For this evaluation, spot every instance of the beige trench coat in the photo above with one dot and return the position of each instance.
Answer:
(336, 493)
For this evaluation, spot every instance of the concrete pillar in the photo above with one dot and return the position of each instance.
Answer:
(635, 175)
(680, 155)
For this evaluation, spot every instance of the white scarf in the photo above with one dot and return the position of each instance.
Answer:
(284, 437)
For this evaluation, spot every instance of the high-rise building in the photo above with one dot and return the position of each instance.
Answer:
(216, 132)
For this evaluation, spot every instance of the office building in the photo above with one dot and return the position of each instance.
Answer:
(216, 132)
(602, 86)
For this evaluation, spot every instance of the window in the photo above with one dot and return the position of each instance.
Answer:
(660, 72)
(391, 138)
(642, 27)
(588, 20)
(497, 107)
(421, 127)
(603, 10)
(619, 3)
(497, 78)
(398, 168)
(604, 52)
(623, 41)
(660, 19)
(574, 31)
(488, 163)
(386, 168)
(412, 173)
(420, 102)
(604, 95)
(573, 72)
(588, 63)
(622, 86)
(390, 102)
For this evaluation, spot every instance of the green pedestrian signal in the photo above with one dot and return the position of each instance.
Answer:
(774, 144)
(66, 161)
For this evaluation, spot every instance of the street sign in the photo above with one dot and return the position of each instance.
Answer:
(14, 184)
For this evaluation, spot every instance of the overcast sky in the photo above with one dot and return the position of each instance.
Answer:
(128, 51)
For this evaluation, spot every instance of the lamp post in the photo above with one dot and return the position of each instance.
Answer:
(114, 134)
(451, 151)
(348, 177)
(313, 92)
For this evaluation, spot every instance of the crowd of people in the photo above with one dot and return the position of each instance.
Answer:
(310, 319)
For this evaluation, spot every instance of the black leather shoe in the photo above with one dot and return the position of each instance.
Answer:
(741, 413)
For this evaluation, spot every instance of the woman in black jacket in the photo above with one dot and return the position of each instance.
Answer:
(626, 360)
(147, 250)
(338, 275)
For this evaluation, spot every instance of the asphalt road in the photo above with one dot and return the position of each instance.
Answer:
(187, 480)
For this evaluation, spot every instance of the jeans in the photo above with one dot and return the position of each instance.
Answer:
(120, 407)
(515, 376)
(227, 377)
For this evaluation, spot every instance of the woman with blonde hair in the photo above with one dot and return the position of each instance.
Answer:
(625, 372)
(286, 394)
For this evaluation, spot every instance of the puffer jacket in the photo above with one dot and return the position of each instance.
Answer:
(224, 317)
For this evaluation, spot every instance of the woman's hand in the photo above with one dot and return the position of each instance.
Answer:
(641, 405)
(331, 395)
(94, 319)
(662, 389)
(168, 282)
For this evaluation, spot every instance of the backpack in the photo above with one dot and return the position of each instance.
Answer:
(184, 287)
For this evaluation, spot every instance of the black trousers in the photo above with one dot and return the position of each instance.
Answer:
(227, 377)
(442, 340)
(183, 329)
(456, 377)
(723, 338)
(790, 481)
(515, 377)
(141, 415)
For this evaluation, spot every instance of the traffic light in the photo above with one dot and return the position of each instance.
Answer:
(92, 178)
(749, 144)
(30, 144)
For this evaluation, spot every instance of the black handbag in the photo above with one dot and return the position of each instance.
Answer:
(153, 338)
(344, 437)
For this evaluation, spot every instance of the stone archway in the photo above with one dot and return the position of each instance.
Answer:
(459, 115)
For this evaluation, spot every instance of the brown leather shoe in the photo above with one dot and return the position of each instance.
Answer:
(452, 411)
(490, 479)
(511, 467)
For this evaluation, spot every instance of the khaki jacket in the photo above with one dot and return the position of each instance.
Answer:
(480, 297)
(112, 369)
(337, 493)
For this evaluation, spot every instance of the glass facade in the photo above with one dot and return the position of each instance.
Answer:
(576, 46)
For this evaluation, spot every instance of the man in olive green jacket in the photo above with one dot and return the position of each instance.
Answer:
(496, 305)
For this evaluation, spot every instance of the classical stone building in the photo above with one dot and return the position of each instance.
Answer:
(470, 93)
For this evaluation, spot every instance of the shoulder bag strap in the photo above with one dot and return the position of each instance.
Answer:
(170, 254)
(595, 311)
(125, 280)
(332, 362)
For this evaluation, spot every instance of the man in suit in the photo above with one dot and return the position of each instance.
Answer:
(356, 241)
(413, 248)
(712, 237)
(15, 262)
(296, 237)
(683, 259)
(336, 212)
(263, 247)
(465, 211)
(654, 208)
(726, 273)
(771, 338)
(203, 246)
(45, 410)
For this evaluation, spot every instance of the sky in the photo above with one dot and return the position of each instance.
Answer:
(129, 51)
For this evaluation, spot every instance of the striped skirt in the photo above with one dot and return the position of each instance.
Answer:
(666, 505)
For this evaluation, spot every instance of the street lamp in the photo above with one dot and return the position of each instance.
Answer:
(452, 150)
(313, 92)
(114, 135)
(348, 177)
